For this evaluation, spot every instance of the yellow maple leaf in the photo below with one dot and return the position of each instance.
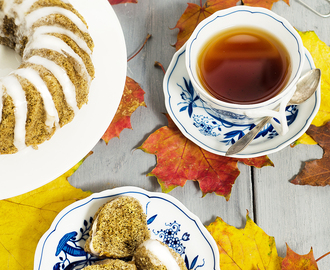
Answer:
(320, 52)
(25, 218)
(248, 248)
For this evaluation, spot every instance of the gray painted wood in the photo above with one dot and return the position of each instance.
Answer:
(293, 214)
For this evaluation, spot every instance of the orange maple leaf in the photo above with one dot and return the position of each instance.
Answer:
(179, 160)
(294, 261)
(194, 14)
(262, 3)
(133, 97)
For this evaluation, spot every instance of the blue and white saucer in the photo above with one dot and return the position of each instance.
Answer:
(197, 122)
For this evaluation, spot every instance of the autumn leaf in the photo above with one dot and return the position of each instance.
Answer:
(132, 98)
(262, 3)
(194, 14)
(179, 160)
(320, 52)
(248, 248)
(25, 218)
(317, 172)
(116, 2)
(294, 261)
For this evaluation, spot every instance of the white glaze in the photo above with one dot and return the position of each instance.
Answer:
(93, 251)
(59, 30)
(63, 78)
(162, 253)
(58, 45)
(37, 14)
(34, 77)
(15, 90)
(1, 102)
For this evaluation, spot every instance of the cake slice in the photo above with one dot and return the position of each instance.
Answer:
(155, 255)
(110, 264)
(118, 228)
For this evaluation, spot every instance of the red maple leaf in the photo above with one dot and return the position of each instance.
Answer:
(116, 2)
(194, 14)
(179, 160)
(132, 98)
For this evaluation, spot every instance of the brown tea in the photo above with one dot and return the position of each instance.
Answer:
(244, 66)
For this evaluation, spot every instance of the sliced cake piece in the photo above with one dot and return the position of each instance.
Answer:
(110, 264)
(118, 228)
(155, 255)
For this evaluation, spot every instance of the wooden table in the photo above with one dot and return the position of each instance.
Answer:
(297, 215)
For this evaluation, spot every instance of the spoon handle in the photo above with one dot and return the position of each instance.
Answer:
(247, 138)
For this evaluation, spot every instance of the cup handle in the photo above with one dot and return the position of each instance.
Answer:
(279, 113)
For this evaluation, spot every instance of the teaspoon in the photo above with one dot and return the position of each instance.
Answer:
(306, 87)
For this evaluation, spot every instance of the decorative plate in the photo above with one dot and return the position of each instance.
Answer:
(168, 221)
(30, 169)
(199, 124)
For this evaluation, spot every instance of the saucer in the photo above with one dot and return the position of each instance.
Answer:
(199, 124)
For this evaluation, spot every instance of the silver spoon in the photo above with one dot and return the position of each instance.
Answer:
(306, 87)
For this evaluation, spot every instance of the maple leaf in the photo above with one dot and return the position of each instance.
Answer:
(317, 172)
(25, 218)
(132, 98)
(248, 248)
(262, 3)
(194, 14)
(294, 261)
(320, 52)
(179, 160)
(116, 2)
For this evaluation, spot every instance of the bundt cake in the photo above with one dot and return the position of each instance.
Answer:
(53, 80)
(118, 228)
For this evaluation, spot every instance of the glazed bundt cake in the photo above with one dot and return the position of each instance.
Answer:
(53, 81)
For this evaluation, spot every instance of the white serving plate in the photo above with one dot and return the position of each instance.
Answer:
(30, 169)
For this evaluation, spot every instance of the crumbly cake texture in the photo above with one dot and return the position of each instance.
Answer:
(111, 265)
(53, 81)
(118, 228)
(145, 259)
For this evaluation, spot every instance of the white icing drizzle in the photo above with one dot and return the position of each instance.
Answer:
(162, 253)
(57, 44)
(93, 234)
(34, 77)
(59, 30)
(15, 90)
(63, 78)
(37, 14)
(1, 102)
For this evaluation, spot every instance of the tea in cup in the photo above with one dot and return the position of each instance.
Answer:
(244, 63)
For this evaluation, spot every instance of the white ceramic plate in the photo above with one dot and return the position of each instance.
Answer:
(29, 169)
(168, 221)
(199, 124)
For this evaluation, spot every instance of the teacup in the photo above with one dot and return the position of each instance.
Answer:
(264, 22)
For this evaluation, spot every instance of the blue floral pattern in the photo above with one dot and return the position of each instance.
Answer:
(70, 247)
(211, 125)
(170, 235)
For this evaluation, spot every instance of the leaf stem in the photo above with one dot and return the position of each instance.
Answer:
(148, 36)
(157, 64)
(323, 256)
(200, 2)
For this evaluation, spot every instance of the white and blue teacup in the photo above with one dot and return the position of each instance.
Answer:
(267, 21)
